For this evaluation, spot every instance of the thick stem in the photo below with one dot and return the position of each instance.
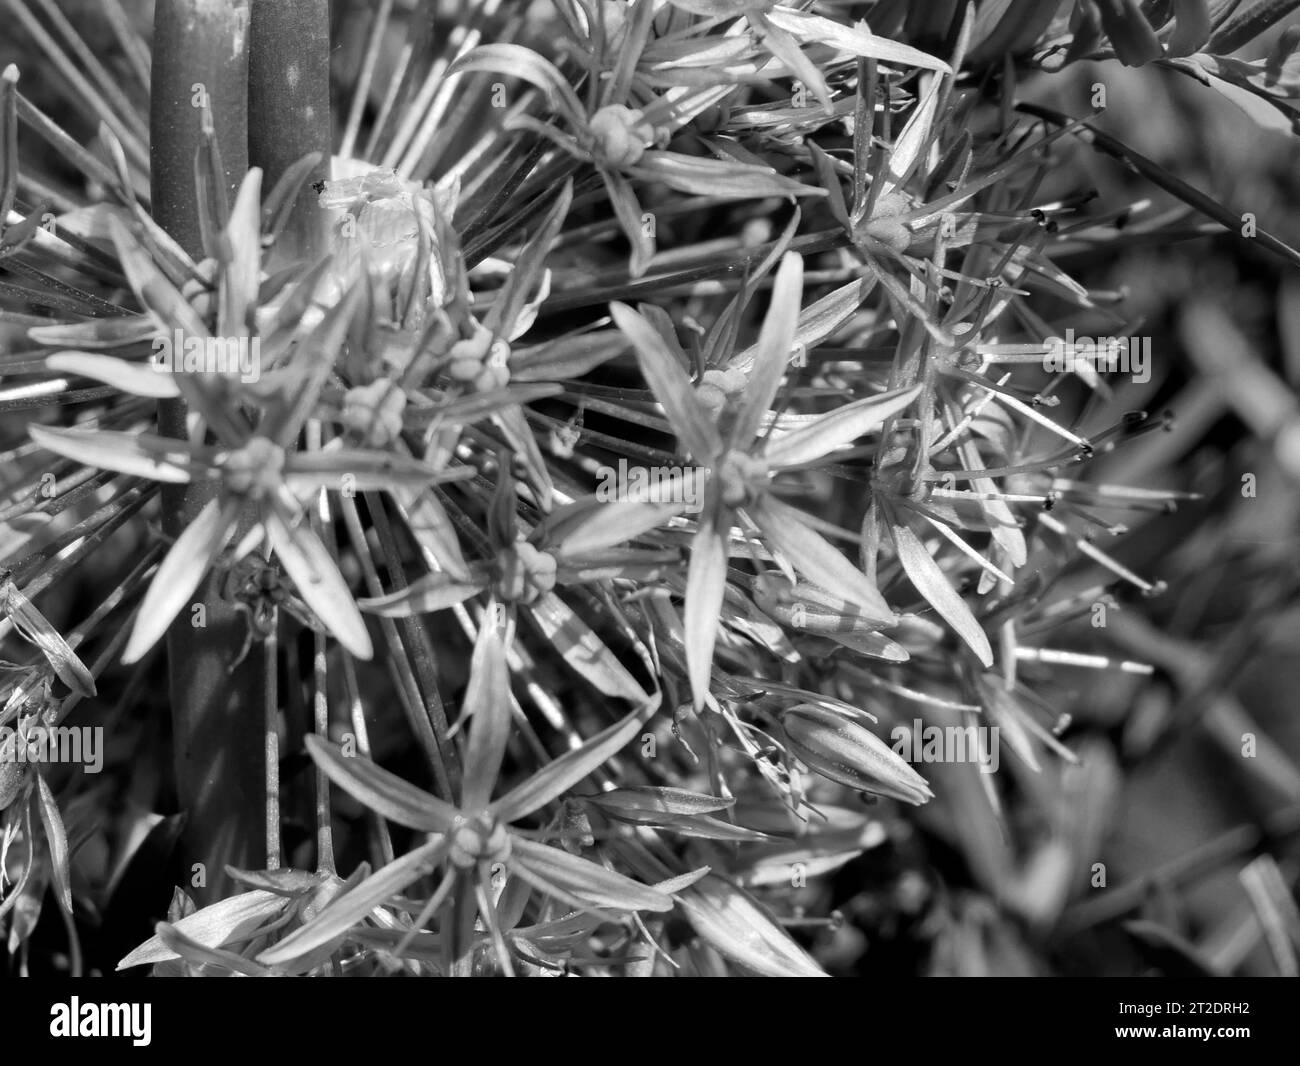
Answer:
(289, 111)
(200, 55)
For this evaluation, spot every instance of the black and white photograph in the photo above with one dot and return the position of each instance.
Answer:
(650, 488)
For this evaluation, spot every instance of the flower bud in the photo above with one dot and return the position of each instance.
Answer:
(838, 748)
(621, 134)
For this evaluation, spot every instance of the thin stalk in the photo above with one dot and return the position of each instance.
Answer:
(289, 111)
(200, 56)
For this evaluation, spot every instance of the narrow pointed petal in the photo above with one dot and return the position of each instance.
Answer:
(706, 584)
(672, 388)
(773, 351)
(179, 575)
(487, 709)
(815, 557)
(346, 910)
(585, 879)
(932, 583)
(384, 793)
(319, 582)
(563, 773)
(817, 439)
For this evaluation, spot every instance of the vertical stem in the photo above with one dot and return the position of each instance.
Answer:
(289, 110)
(201, 53)
(271, 731)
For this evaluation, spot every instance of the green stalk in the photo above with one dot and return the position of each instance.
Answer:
(289, 112)
(289, 118)
(201, 47)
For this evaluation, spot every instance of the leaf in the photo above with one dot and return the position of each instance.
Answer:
(380, 791)
(785, 48)
(1192, 27)
(197, 954)
(97, 332)
(565, 358)
(36, 629)
(651, 801)
(716, 177)
(487, 703)
(820, 319)
(179, 575)
(706, 584)
(690, 420)
(612, 522)
(729, 920)
(631, 219)
(369, 471)
(562, 774)
(1130, 34)
(240, 278)
(932, 583)
(812, 555)
(529, 264)
(519, 62)
(772, 352)
(138, 454)
(905, 155)
(156, 294)
(585, 879)
(582, 649)
(228, 921)
(857, 39)
(135, 378)
(427, 520)
(318, 581)
(346, 910)
(821, 437)
(57, 838)
(433, 592)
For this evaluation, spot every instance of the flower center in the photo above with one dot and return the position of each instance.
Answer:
(524, 573)
(741, 477)
(621, 134)
(482, 839)
(254, 470)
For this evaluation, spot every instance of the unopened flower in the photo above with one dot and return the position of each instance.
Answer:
(374, 412)
(621, 134)
(840, 749)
